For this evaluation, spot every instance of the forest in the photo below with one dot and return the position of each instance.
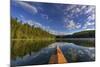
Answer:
(22, 30)
(82, 34)
(26, 38)
(25, 31)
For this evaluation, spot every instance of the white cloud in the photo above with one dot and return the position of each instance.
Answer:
(90, 23)
(70, 7)
(74, 9)
(87, 24)
(72, 25)
(78, 26)
(91, 12)
(57, 32)
(75, 12)
(27, 7)
(91, 18)
(83, 7)
(30, 22)
(35, 24)
(90, 9)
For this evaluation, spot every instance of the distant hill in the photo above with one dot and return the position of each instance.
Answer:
(85, 34)
(82, 34)
(26, 31)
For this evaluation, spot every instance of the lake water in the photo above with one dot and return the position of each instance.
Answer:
(33, 54)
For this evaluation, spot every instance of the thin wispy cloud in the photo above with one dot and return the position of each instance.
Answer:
(56, 18)
(27, 7)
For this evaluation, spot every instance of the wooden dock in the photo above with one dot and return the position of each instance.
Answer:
(57, 57)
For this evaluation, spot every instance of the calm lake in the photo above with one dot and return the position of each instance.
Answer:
(35, 53)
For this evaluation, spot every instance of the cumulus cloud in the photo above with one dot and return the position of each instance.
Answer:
(90, 21)
(91, 14)
(72, 16)
(90, 9)
(76, 10)
(88, 24)
(73, 12)
(91, 18)
(78, 25)
(27, 7)
(72, 25)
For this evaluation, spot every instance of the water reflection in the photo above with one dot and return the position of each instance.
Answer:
(71, 51)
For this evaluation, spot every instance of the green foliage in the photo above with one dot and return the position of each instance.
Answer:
(25, 31)
(20, 48)
(81, 34)
(85, 34)
(26, 39)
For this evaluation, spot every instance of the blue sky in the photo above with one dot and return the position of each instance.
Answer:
(59, 19)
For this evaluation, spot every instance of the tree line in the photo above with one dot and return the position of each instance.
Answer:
(20, 30)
